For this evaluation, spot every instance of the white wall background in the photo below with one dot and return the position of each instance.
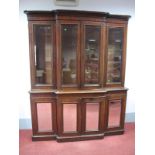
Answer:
(111, 6)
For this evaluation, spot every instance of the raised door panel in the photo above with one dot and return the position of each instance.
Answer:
(42, 55)
(115, 56)
(93, 115)
(69, 117)
(44, 115)
(114, 116)
(91, 54)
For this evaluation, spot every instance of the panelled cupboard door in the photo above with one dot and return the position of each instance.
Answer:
(43, 116)
(41, 54)
(91, 54)
(69, 53)
(93, 115)
(69, 115)
(115, 112)
(115, 55)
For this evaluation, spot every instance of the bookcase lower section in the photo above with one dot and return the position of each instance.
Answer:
(73, 116)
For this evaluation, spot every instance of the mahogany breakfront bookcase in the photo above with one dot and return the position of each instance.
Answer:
(77, 63)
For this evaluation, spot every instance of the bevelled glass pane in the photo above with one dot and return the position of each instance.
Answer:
(114, 113)
(92, 116)
(69, 50)
(115, 49)
(69, 117)
(44, 115)
(92, 54)
(43, 54)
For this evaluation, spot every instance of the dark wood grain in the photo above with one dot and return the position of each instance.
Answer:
(80, 94)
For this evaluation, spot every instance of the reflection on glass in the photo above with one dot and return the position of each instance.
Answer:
(114, 113)
(92, 48)
(92, 116)
(69, 49)
(43, 54)
(115, 49)
(44, 113)
(69, 117)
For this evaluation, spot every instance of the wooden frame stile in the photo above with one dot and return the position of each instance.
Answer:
(116, 25)
(31, 56)
(54, 57)
(102, 125)
(59, 120)
(58, 54)
(47, 135)
(122, 121)
(83, 25)
(34, 120)
(103, 56)
(124, 53)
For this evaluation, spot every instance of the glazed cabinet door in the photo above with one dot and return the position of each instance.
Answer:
(68, 59)
(41, 54)
(115, 56)
(91, 54)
